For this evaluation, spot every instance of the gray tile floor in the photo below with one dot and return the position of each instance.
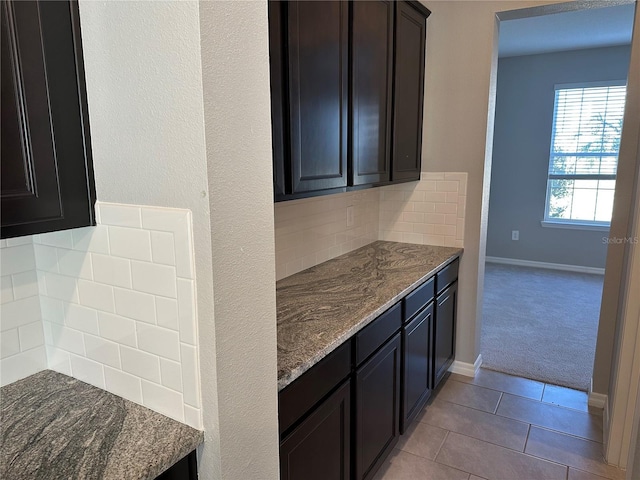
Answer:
(500, 427)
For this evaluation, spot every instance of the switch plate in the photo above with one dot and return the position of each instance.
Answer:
(350, 216)
(515, 234)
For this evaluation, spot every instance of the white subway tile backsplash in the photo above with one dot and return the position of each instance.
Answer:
(140, 364)
(155, 279)
(6, 289)
(16, 241)
(123, 384)
(111, 305)
(67, 339)
(9, 343)
(61, 287)
(171, 373)
(25, 284)
(81, 318)
(120, 215)
(20, 312)
(87, 371)
(31, 336)
(60, 239)
(17, 259)
(167, 313)
(130, 243)
(162, 248)
(159, 341)
(113, 271)
(186, 311)
(22, 365)
(102, 351)
(118, 329)
(91, 239)
(74, 263)
(135, 305)
(96, 295)
(163, 400)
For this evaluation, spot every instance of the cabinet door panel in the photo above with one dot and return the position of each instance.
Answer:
(377, 409)
(372, 77)
(47, 174)
(416, 361)
(319, 448)
(409, 93)
(281, 167)
(444, 332)
(318, 55)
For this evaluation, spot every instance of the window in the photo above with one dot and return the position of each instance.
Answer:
(587, 123)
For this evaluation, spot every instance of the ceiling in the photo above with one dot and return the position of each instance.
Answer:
(596, 27)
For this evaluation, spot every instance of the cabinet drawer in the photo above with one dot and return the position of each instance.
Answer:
(419, 298)
(376, 333)
(307, 390)
(447, 275)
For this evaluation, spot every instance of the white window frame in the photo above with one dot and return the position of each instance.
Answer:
(565, 222)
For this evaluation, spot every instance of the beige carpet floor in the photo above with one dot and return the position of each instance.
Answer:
(541, 324)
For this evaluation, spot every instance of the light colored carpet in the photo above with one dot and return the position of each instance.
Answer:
(541, 324)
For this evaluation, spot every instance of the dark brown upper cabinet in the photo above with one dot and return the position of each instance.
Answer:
(371, 91)
(408, 99)
(46, 167)
(339, 119)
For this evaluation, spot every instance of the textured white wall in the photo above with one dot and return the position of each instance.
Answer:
(144, 90)
(235, 67)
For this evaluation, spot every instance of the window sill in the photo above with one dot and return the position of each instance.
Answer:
(575, 226)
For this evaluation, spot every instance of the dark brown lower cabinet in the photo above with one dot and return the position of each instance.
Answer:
(377, 408)
(319, 448)
(444, 332)
(416, 338)
(185, 469)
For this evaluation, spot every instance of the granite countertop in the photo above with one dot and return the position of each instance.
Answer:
(54, 427)
(320, 308)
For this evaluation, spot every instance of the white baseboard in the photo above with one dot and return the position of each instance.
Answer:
(596, 400)
(549, 266)
(466, 369)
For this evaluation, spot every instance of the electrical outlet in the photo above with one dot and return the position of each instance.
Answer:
(515, 234)
(350, 216)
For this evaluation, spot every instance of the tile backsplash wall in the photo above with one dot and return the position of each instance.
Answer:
(117, 303)
(313, 230)
(22, 349)
(430, 211)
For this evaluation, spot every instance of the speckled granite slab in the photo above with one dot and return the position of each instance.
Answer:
(57, 427)
(321, 307)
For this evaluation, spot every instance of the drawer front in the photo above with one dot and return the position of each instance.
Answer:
(447, 275)
(419, 298)
(376, 333)
(307, 390)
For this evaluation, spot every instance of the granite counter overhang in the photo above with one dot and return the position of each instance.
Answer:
(54, 426)
(320, 308)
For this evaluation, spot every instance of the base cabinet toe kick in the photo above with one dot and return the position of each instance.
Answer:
(341, 418)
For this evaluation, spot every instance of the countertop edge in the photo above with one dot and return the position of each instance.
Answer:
(296, 373)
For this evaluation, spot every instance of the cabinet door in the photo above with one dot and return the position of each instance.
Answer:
(318, 93)
(281, 168)
(377, 408)
(416, 362)
(372, 77)
(47, 175)
(444, 332)
(408, 93)
(319, 448)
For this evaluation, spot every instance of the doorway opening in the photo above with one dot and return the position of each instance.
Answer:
(558, 118)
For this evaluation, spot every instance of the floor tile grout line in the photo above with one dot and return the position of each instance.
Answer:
(468, 406)
(497, 389)
(526, 440)
(549, 429)
(495, 412)
(440, 447)
(554, 405)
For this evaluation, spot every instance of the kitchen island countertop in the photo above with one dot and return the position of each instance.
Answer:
(54, 426)
(320, 308)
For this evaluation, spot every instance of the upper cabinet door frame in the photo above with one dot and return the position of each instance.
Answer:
(371, 91)
(318, 50)
(409, 69)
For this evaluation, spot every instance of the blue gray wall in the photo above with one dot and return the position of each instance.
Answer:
(522, 138)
